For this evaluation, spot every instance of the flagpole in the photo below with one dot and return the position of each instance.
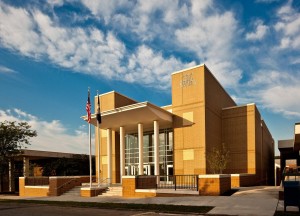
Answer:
(88, 110)
(98, 153)
(98, 117)
(90, 150)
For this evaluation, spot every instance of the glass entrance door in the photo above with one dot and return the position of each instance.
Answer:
(169, 173)
(147, 170)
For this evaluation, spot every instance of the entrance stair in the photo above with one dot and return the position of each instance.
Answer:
(113, 191)
(73, 192)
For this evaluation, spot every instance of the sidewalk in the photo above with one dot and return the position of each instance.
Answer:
(261, 200)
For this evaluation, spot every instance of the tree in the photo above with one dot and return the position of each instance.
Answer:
(13, 137)
(218, 159)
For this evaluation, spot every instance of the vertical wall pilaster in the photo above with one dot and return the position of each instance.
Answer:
(156, 148)
(109, 155)
(25, 166)
(122, 152)
(141, 148)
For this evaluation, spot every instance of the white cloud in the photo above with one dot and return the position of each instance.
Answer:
(270, 78)
(276, 91)
(210, 34)
(52, 135)
(105, 9)
(34, 34)
(259, 33)
(17, 30)
(282, 99)
(54, 3)
(153, 68)
(86, 50)
(6, 70)
(288, 27)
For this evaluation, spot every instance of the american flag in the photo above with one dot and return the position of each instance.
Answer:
(88, 107)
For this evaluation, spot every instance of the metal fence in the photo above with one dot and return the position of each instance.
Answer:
(188, 182)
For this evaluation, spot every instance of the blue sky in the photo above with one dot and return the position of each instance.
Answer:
(52, 51)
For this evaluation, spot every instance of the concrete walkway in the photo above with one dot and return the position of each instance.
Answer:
(262, 200)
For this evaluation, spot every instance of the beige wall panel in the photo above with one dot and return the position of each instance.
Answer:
(234, 136)
(103, 133)
(179, 159)
(187, 98)
(176, 90)
(213, 130)
(192, 136)
(188, 167)
(188, 118)
(187, 87)
(241, 127)
(103, 148)
(104, 160)
(188, 154)
(107, 102)
(257, 150)
(104, 171)
(252, 138)
(216, 97)
(188, 140)
(199, 158)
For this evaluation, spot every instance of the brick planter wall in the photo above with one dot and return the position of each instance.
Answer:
(129, 188)
(59, 185)
(91, 192)
(242, 180)
(214, 185)
(36, 191)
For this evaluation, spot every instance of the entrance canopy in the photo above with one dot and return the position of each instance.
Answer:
(130, 116)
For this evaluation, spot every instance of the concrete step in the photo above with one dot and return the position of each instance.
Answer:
(113, 191)
(73, 192)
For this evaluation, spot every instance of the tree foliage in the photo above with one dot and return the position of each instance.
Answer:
(13, 137)
(218, 159)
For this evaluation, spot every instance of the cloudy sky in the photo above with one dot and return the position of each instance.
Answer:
(52, 51)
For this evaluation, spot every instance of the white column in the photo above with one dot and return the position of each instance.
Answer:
(141, 148)
(156, 148)
(109, 155)
(25, 166)
(122, 152)
(11, 179)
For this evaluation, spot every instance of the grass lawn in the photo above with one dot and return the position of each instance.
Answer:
(127, 206)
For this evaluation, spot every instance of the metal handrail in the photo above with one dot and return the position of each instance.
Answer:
(105, 181)
(68, 182)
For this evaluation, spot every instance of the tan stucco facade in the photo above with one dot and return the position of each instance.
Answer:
(202, 116)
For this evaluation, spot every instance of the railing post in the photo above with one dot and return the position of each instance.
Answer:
(175, 182)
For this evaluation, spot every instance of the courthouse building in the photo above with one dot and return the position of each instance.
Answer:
(140, 138)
